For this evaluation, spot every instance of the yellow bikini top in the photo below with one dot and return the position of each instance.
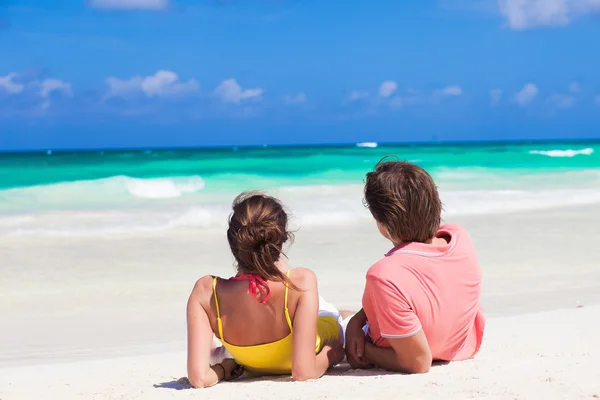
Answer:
(273, 358)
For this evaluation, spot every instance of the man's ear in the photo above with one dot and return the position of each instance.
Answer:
(383, 230)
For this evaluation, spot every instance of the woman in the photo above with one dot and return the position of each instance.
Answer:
(268, 316)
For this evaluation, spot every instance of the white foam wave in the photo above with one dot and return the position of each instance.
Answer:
(100, 192)
(195, 217)
(125, 205)
(563, 153)
(163, 188)
(93, 223)
(367, 144)
(477, 202)
(310, 207)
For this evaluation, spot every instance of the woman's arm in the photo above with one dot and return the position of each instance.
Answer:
(199, 341)
(305, 363)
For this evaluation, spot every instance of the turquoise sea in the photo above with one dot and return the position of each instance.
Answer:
(75, 193)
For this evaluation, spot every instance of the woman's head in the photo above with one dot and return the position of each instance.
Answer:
(257, 232)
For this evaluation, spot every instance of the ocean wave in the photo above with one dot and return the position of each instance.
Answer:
(563, 153)
(163, 188)
(477, 202)
(367, 144)
(100, 192)
(110, 222)
(515, 179)
(309, 207)
(126, 205)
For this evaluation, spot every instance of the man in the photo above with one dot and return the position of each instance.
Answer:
(422, 300)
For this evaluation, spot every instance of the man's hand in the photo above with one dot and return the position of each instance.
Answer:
(232, 369)
(335, 352)
(355, 341)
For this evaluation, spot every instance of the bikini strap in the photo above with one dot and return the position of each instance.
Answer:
(285, 302)
(219, 322)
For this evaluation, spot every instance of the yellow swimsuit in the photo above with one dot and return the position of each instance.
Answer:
(275, 358)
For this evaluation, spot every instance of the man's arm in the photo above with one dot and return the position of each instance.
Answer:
(410, 355)
(355, 340)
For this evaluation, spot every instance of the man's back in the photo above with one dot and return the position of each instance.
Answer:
(433, 288)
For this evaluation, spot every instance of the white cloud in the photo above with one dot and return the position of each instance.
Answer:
(123, 88)
(356, 95)
(229, 91)
(562, 100)
(452, 90)
(388, 88)
(163, 83)
(166, 83)
(526, 14)
(566, 100)
(398, 102)
(296, 99)
(47, 86)
(153, 5)
(412, 97)
(526, 95)
(574, 87)
(7, 83)
(496, 96)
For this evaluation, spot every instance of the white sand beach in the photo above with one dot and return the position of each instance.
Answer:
(104, 317)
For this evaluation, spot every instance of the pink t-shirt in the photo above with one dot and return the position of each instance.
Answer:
(433, 288)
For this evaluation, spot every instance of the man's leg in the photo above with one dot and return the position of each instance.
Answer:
(218, 352)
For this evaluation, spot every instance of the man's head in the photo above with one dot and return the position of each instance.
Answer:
(404, 201)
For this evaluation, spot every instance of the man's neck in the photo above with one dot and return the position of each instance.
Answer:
(435, 241)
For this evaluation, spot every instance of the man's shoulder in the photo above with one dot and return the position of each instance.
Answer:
(460, 233)
(387, 267)
(453, 228)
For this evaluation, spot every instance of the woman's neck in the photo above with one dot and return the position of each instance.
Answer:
(283, 266)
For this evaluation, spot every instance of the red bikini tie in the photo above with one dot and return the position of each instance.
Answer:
(256, 285)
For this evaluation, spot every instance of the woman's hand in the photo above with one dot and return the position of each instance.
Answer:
(232, 369)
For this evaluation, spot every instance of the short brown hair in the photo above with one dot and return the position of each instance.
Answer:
(404, 199)
(256, 235)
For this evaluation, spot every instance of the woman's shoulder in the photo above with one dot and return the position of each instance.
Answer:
(203, 287)
(303, 278)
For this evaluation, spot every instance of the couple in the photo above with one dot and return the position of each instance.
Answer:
(421, 302)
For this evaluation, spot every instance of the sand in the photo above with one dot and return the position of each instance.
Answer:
(104, 317)
(550, 355)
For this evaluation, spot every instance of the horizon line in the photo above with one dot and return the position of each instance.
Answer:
(298, 146)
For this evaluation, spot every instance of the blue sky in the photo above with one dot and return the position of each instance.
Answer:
(148, 73)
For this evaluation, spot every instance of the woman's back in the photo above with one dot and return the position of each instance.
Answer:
(259, 336)
(245, 321)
